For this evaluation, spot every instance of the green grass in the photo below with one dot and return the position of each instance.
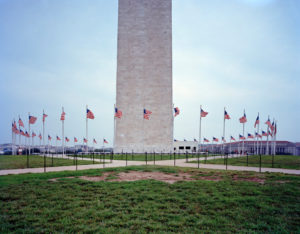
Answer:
(19, 162)
(142, 157)
(280, 161)
(30, 203)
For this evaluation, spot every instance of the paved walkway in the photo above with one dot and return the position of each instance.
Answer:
(122, 163)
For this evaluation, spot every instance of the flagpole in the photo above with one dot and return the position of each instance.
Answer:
(114, 127)
(143, 130)
(273, 138)
(267, 150)
(63, 134)
(257, 150)
(200, 130)
(275, 133)
(12, 141)
(44, 132)
(230, 145)
(86, 128)
(243, 148)
(29, 133)
(103, 146)
(223, 140)
(19, 134)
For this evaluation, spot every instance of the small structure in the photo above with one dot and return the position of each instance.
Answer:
(185, 146)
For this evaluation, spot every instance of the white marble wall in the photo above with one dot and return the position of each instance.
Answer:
(144, 76)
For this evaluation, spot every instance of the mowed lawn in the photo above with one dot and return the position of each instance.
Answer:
(224, 203)
(20, 161)
(280, 161)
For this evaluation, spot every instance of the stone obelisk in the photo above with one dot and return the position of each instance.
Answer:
(144, 76)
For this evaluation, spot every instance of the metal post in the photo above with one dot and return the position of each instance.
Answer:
(198, 159)
(260, 162)
(126, 159)
(154, 158)
(146, 158)
(44, 162)
(174, 159)
(186, 157)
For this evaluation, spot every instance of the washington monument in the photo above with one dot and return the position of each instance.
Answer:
(144, 76)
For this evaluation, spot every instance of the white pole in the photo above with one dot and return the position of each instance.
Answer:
(267, 149)
(223, 140)
(86, 130)
(275, 138)
(63, 135)
(29, 134)
(44, 132)
(12, 141)
(114, 128)
(200, 129)
(19, 134)
(257, 136)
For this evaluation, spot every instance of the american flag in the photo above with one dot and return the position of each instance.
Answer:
(268, 122)
(105, 141)
(85, 140)
(223, 139)
(203, 113)
(27, 134)
(232, 138)
(270, 133)
(242, 137)
(14, 124)
(118, 113)
(177, 111)
(33, 134)
(264, 133)
(256, 121)
(21, 123)
(32, 119)
(44, 117)
(22, 133)
(205, 140)
(226, 115)
(95, 141)
(147, 114)
(49, 138)
(89, 114)
(258, 135)
(215, 139)
(195, 140)
(67, 139)
(275, 129)
(250, 136)
(184, 140)
(57, 138)
(243, 119)
(272, 127)
(63, 116)
(75, 139)
(40, 136)
(175, 140)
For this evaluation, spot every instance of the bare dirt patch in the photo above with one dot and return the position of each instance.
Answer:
(249, 179)
(170, 178)
(160, 176)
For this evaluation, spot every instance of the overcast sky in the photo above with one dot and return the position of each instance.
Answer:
(238, 54)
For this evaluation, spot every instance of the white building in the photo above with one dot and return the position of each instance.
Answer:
(185, 146)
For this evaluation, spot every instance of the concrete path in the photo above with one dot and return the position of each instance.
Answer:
(122, 163)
